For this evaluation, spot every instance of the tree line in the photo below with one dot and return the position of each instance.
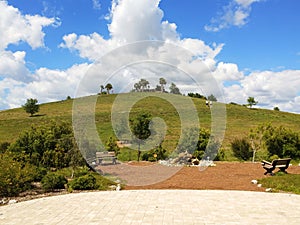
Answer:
(143, 85)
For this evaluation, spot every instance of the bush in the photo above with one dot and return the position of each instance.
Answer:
(241, 149)
(40, 172)
(15, 177)
(159, 153)
(52, 181)
(86, 182)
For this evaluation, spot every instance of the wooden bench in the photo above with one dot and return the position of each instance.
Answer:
(281, 164)
(106, 156)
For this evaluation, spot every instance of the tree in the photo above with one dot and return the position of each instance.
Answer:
(48, 146)
(137, 87)
(282, 142)
(112, 146)
(196, 95)
(174, 89)
(162, 82)
(31, 106)
(143, 84)
(212, 98)
(256, 139)
(251, 101)
(101, 89)
(140, 128)
(276, 108)
(108, 87)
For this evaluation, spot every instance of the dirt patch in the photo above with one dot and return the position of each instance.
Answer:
(224, 176)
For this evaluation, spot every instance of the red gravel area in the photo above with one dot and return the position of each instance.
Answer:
(224, 176)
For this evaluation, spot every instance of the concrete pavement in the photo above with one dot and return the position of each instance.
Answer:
(157, 207)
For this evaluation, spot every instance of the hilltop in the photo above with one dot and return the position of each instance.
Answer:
(240, 119)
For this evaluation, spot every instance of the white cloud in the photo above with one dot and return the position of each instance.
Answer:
(47, 85)
(136, 20)
(236, 13)
(15, 27)
(227, 72)
(269, 88)
(96, 4)
(13, 65)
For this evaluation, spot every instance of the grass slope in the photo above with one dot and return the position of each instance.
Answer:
(239, 118)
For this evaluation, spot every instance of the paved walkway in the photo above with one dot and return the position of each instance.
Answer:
(157, 207)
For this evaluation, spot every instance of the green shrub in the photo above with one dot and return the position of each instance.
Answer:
(159, 153)
(81, 171)
(220, 155)
(52, 181)
(241, 149)
(15, 176)
(86, 182)
(40, 172)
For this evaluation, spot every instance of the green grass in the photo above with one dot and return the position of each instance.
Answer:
(282, 182)
(239, 118)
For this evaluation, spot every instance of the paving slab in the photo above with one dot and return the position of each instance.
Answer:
(156, 207)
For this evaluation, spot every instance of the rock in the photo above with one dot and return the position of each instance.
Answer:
(254, 181)
(118, 188)
(259, 185)
(12, 201)
(112, 187)
(269, 190)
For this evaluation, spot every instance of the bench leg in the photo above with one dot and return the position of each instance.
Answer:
(282, 170)
(269, 171)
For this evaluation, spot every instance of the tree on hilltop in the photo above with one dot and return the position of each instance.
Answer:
(108, 87)
(251, 101)
(31, 106)
(162, 82)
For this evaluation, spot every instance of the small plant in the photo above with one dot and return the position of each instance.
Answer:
(52, 181)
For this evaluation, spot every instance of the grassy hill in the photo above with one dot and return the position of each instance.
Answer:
(239, 118)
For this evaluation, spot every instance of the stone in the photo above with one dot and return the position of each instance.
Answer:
(254, 181)
(12, 201)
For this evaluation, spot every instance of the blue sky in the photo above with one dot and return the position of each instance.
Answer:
(255, 44)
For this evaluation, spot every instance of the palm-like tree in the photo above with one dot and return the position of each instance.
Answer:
(137, 87)
(162, 82)
(101, 89)
(251, 101)
(108, 87)
(144, 83)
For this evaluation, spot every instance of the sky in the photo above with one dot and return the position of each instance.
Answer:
(251, 47)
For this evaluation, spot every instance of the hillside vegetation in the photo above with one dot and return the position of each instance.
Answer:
(239, 118)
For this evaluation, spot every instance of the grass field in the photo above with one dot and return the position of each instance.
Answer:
(239, 118)
(283, 182)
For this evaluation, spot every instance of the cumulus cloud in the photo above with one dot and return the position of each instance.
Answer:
(47, 85)
(16, 81)
(227, 72)
(269, 88)
(15, 27)
(236, 13)
(13, 65)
